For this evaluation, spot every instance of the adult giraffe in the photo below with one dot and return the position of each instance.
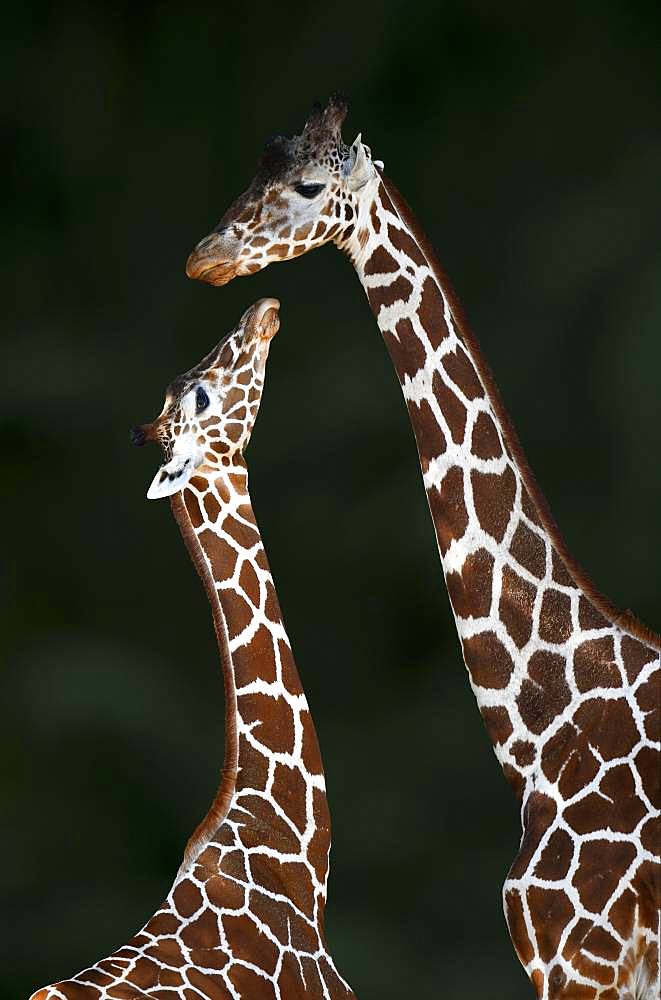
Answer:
(244, 919)
(568, 687)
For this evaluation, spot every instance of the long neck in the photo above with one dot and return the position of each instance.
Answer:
(520, 603)
(272, 777)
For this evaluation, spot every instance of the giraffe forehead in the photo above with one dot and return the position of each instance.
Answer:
(284, 160)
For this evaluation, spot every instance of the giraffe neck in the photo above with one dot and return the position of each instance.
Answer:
(272, 760)
(518, 599)
(245, 914)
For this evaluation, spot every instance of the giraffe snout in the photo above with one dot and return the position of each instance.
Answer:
(137, 435)
(210, 261)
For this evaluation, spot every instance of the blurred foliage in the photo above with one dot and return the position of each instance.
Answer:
(526, 137)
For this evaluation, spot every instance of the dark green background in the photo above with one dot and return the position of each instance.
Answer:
(526, 137)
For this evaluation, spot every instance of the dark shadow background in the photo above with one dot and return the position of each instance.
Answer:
(527, 139)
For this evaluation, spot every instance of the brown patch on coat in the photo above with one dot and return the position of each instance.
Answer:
(648, 765)
(202, 932)
(381, 262)
(238, 613)
(588, 616)
(517, 598)
(254, 766)
(193, 508)
(555, 624)
(550, 912)
(523, 752)
(594, 665)
(621, 913)
(515, 780)
(461, 370)
(529, 550)
(407, 352)
(212, 507)
(431, 313)
(448, 509)
(544, 693)
(602, 864)
(429, 437)
(648, 696)
(256, 658)
(635, 656)
(485, 442)
(560, 572)
(556, 857)
(275, 728)
(517, 926)
(320, 840)
(187, 898)
(310, 746)
(487, 660)
(493, 496)
(225, 893)
(498, 723)
(538, 815)
(470, 588)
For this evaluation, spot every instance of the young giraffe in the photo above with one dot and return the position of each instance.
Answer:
(568, 687)
(244, 919)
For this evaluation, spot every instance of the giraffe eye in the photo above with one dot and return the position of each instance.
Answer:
(309, 190)
(201, 400)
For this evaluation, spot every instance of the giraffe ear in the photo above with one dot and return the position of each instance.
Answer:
(171, 477)
(359, 168)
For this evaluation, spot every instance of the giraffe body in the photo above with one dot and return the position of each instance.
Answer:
(568, 687)
(244, 917)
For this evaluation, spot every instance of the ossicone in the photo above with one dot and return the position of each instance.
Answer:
(262, 319)
(329, 118)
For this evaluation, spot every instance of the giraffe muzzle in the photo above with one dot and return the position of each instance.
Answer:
(208, 262)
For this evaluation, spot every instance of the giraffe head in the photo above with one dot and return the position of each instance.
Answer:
(209, 411)
(307, 191)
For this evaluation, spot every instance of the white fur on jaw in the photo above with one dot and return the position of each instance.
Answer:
(173, 476)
